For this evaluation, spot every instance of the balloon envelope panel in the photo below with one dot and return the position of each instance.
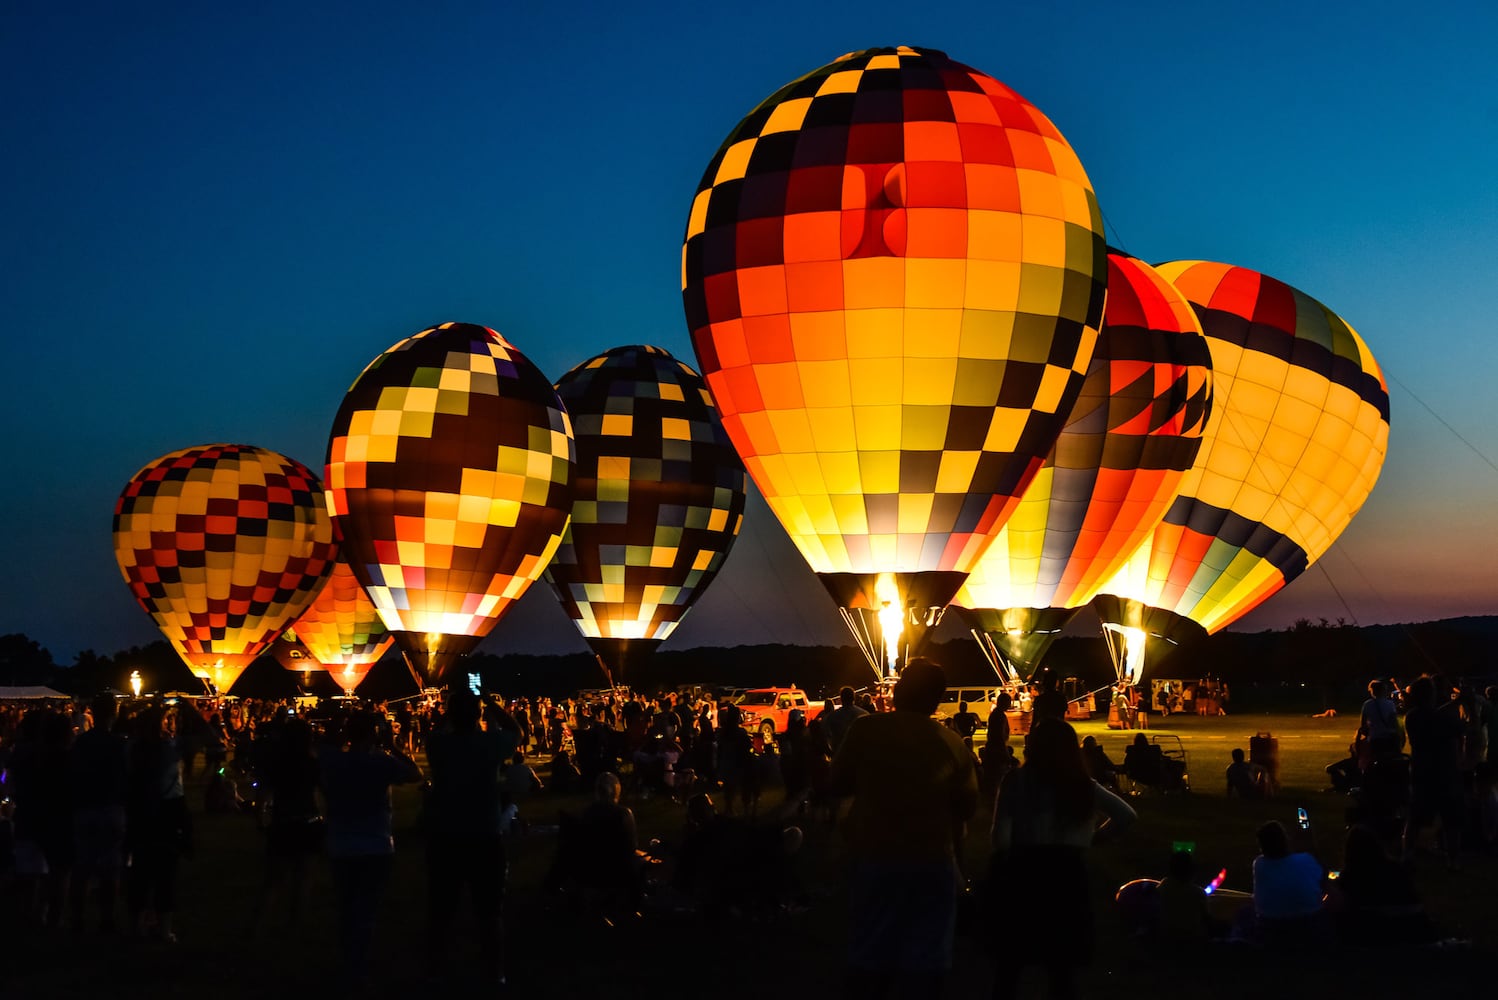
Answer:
(1294, 445)
(893, 273)
(341, 625)
(223, 545)
(1132, 435)
(450, 475)
(658, 495)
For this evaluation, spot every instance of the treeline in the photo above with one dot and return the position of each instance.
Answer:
(1328, 663)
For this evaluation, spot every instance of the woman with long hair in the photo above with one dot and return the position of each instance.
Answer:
(1045, 817)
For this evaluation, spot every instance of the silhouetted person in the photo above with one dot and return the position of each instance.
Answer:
(97, 773)
(840, 718)
(1049, 703)
(294, 825)
(1435, 733)
(464, 811)
(1043, 822)
(914, 788)
(356, 785)
(1246, 779)
(157, 825)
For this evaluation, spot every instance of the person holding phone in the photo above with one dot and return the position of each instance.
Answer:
(1287, 888)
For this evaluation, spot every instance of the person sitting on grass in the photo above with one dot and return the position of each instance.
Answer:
(1099, 766)
(1287, 891)
(1183, 903)
(1374, 897)
(1246, 779)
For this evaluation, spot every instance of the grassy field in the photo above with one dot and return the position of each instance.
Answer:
(553, 953)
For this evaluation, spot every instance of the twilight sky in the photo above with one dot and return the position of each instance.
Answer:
(216, 214)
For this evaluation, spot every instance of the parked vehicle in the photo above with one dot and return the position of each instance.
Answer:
(979, 701)
(769, 709)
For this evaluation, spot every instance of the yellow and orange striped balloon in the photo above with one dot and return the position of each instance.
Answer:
(1297, 437)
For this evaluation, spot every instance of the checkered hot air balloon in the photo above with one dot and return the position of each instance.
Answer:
(1132, 435)
(223, 545)
(1297, 436)
(893, 274)
(450, 476)
(658, 500)
(341, 631)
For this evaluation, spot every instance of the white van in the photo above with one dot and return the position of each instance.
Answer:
(979, 702)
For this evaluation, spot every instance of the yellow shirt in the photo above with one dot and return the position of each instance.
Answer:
(913, 785)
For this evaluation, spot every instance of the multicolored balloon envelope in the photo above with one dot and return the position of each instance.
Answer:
(450, 476)
(893, 274)
(1297, 436)
(658, 500)
(341, 626)
(1134, 432)
(223, 545)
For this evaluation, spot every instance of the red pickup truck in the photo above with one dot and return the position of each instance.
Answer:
(769, 709)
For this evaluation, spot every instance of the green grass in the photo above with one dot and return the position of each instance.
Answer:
(555, 954)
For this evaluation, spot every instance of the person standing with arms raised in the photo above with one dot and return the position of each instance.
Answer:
(356, 784)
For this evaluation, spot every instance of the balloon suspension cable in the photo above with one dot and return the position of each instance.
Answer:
(1442, 421)
(1090, 694)
(1126, 648)
(420, 684)
(1002, 668)
(871, 646)
(607, 673)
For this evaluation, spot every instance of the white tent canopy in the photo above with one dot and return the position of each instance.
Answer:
(29, 692)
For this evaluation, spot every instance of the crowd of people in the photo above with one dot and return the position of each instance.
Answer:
(96, 806)
(1419, 761)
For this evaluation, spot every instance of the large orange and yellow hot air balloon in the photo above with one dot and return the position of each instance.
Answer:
(341, 631)
(1133, 433)
(450, 476)
(893, 274)
(658, 501)
(1297, 436)
(223, 545)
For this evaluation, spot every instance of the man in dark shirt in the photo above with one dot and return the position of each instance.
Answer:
(96, 771)
(1434, 728)
(464, 822)
(965, 723)
(1050, 703)
(1247, 780)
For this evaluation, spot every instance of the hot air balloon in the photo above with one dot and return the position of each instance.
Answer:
(658, 500)
(1133, 433)
(340, 632)
(1297, 435)
(893, 274)
(223, 545)
(450, 477)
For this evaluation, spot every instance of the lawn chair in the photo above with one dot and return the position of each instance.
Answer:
(1175, 769)
(1157, 766)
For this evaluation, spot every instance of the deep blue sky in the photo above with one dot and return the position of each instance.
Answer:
(214, 215)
